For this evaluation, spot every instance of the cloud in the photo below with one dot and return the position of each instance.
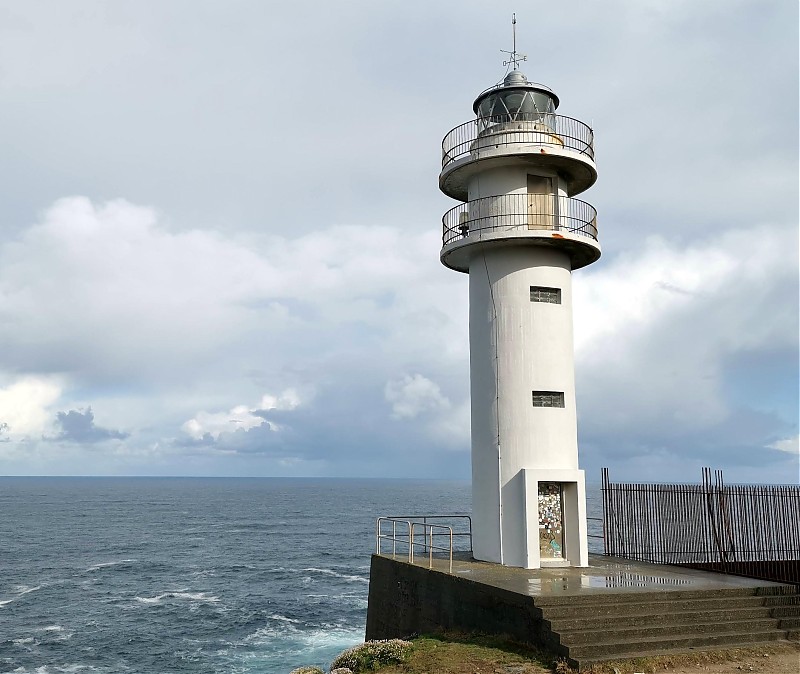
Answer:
(241, 417)
(26, 404)
(78, 426)
(414, 395)
(788, 445)
(228, 272)
(690, 347)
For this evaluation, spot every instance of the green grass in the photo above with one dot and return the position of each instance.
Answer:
(454, 653)
(471, 654)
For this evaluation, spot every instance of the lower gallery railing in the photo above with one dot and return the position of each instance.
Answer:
(747, 530)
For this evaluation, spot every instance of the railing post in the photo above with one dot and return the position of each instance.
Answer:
(451, 549)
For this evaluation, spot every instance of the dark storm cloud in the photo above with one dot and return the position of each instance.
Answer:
(78, 426)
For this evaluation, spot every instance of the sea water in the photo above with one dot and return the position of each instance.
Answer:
(163, 575)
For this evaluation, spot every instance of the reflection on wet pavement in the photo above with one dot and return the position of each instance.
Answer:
(602, 573)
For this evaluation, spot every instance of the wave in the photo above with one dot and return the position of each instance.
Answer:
(319, 638)
(22, 590)
(61, 669)
(358, 601)
(193, 596)
(283, 618)
(104, 565)
(336, 574)
(22, 641)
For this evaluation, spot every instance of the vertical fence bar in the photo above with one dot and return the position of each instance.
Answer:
(749, 530)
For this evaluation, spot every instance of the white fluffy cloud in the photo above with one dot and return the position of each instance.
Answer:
(27, 406)
(240, 417)
(788, 445)
(413, 395)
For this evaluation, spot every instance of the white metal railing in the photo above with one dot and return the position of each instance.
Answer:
(415, 532)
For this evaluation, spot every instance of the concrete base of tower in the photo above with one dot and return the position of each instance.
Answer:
(543, 521)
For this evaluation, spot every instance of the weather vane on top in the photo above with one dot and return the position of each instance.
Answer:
(515, 57)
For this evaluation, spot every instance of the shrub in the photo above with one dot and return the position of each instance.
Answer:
(307, 670)
(372, 654)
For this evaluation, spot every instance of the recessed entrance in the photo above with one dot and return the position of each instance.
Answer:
(551, 521)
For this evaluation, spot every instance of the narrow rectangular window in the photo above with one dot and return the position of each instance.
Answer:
(548, 399)
(542, 294)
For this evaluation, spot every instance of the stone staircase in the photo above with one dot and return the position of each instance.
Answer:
(587, 629)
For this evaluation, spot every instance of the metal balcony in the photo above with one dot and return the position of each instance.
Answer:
(521, 219)
(556, 131)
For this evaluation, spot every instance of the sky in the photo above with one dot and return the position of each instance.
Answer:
(220, 225)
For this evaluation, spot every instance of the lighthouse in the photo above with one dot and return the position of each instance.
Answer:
(519, 232)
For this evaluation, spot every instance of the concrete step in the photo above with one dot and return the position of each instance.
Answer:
(630, 634)
(665, 618)
(784, 611)
(663, 605)
(682, 641)
(783, 600)
(587, 662)
(789, 623)
(634, 597)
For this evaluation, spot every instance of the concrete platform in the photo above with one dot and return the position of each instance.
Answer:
(602, 575)
(613, 609)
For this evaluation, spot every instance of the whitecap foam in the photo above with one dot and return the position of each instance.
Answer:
(344, 576)
(22, 641)
(104, 565)
(282, 618)
(179, 594)
(21, 590)
(354, 600)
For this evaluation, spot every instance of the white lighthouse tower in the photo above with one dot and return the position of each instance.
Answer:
(519, 233)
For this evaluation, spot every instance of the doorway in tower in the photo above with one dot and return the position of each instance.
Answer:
(541, 203)
(551, 521)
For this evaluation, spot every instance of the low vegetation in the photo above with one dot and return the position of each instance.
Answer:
(480, 654)
(371, 655)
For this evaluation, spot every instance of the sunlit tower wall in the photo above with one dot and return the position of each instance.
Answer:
(519, 233)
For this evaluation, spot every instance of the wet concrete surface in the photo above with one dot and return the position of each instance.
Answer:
(602, 574)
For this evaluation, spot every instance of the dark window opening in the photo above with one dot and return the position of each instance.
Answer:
(548, 399)
(548, 295)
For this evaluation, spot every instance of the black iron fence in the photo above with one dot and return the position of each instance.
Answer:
(747, 530)
(546, 129)
(519, 214)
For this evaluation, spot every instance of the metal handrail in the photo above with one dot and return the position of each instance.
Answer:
(529, 128)
(519, 213)
(405, 536)
(425, 518)
(427, 534)
(601, 536)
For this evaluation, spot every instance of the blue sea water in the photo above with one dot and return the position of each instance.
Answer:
(168, 575)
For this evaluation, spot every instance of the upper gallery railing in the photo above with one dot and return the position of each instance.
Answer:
(518, 214)
(528, 128)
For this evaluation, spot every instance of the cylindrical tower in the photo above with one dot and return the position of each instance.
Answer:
(519, 232)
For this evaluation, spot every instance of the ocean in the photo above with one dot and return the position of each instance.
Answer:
(168, 575)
